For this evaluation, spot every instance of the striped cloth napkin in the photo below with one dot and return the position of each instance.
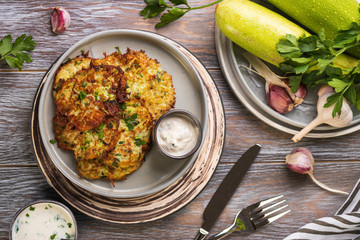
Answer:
(345, 225)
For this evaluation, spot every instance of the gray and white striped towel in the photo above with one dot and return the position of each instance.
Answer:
(345, 225)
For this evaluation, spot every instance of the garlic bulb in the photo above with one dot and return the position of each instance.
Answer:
(325, 114)
(300, 160)
(60, 20)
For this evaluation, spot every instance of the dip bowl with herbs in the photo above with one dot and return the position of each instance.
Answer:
(44, 219)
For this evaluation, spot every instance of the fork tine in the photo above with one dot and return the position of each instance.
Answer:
(260, 210)
(271, 217)
(254, 206)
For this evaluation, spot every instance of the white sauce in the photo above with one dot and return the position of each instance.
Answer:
(47, 221)
(177, 135)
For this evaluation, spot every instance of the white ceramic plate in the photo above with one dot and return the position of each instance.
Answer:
(249, 88)
(157, 172)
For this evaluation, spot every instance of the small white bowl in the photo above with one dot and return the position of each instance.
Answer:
(188, 116)
(67, 221)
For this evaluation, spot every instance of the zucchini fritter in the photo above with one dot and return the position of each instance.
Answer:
(83, 98)
(68, 70)
(130, 148)
(106, 108)
(146, 81)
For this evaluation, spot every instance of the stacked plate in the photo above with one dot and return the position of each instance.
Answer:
(249, 88)
(161, 185)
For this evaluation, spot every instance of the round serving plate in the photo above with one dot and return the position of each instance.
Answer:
(157, 172)
(152, 206)
(249, 88)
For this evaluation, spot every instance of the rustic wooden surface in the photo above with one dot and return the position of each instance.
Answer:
(21, 180)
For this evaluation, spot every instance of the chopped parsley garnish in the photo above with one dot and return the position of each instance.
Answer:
(123, 106)
(82, 95)
(53, 236)
(68, 236)
(158, 76)
(121, 142)
(96, 95)
(27, 215)
(101, 126)
(77, 63)
(139, 142)
(31, 208)
(115, 162)
(101, 135)
(137, 96)
(84, 84)
(131, 121)
(52, 141)
(118, 49)
(69, 225)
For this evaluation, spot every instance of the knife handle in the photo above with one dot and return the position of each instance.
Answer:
(201, 234)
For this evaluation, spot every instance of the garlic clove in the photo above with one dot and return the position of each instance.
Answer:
(301, 92)
(274, 80)
(300, 160)
(60, 20)
(278, 99)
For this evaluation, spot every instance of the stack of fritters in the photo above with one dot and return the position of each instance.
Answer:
(105, 110)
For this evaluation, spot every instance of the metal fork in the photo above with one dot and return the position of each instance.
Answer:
(256, 216)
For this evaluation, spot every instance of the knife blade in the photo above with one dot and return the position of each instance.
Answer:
(226, 189)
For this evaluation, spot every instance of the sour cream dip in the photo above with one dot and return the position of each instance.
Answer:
(44, 220)
(178, 134)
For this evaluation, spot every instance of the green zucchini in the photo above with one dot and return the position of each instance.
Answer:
(258, 30)
(331, 15)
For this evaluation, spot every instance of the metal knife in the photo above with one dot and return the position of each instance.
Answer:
(226, 189)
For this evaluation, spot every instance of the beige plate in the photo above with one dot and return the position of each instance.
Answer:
(157, 172)
(153, 206)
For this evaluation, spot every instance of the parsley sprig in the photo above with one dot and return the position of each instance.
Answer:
(310, 59)
(13, 53)
(174, 12)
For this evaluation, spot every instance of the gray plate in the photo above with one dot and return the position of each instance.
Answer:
(249, 88)
(157, 172)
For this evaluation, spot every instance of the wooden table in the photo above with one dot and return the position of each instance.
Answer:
(21, 180)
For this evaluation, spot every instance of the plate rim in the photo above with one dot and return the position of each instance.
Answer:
(123, 32)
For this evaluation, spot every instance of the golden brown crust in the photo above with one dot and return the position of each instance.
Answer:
(106, 109)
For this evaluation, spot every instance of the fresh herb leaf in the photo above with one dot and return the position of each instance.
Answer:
(139, 142)
(156, 7)
(310, 60)
(82, 95)
(172, 15)
(118, 49)
(14, 53)
(52, 141)
(294, 82)
(131, 121)
(350, 94)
